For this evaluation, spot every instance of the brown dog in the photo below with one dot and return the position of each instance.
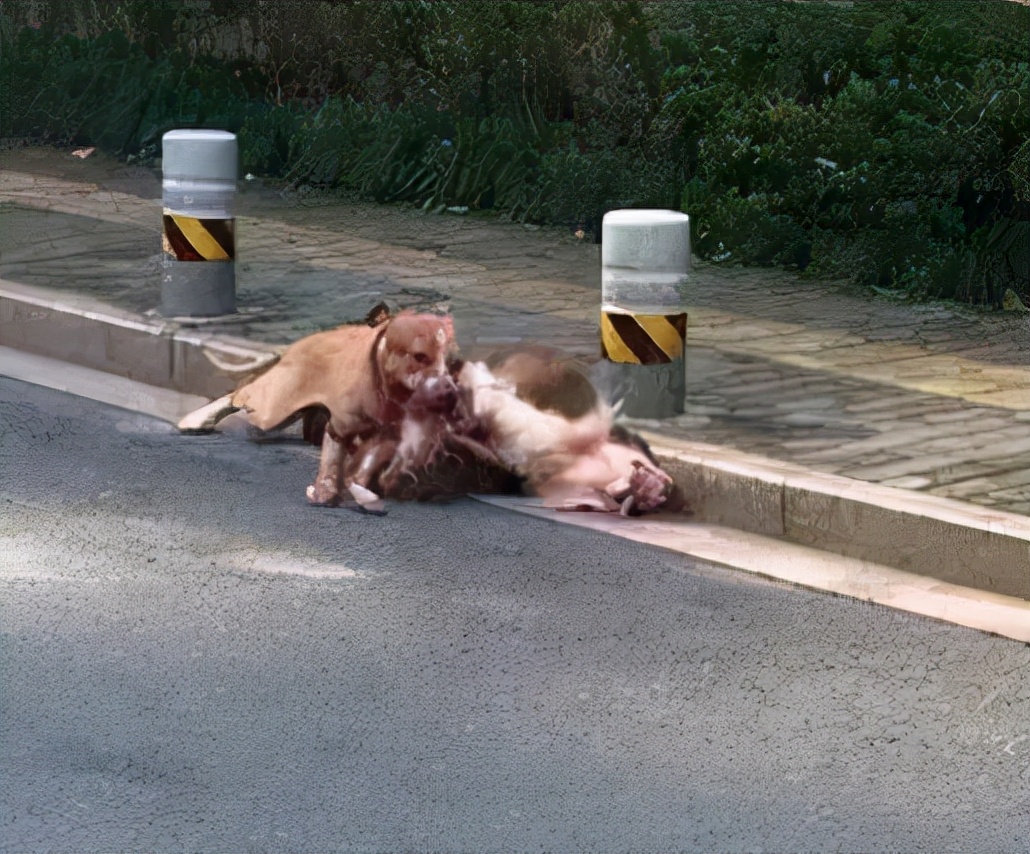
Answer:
(362, 375)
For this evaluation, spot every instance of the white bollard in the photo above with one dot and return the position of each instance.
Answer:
(645, 265)
(198, 276)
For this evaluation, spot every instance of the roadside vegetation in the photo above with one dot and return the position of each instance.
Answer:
(888, 143)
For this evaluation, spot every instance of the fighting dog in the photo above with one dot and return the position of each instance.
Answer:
(547, 422)
(530, 420)
(360, 376)
(397, 415)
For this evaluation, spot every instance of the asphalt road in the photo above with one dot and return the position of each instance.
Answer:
(194, 660)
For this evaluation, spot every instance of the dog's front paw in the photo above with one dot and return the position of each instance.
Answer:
(323, 493)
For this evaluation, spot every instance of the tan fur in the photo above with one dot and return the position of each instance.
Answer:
(546, 378)
(330, 369)
(361, 374)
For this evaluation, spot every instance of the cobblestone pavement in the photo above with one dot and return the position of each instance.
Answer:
(924, 397)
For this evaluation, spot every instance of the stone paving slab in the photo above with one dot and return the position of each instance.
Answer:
(930, 398)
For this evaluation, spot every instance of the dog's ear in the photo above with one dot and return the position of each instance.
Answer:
(445, 335)
(447, 322)
(379, 314)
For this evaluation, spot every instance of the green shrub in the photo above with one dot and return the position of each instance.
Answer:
(883, 142)
(107, 91)
(889, 159)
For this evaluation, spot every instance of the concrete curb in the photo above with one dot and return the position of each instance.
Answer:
(943, 539)
(940, 538)
(156, 352)
(781, 560)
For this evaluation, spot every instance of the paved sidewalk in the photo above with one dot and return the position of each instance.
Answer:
(927, 398)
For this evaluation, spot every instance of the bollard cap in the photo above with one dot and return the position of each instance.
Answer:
(656, 241)
(646, 240)
(200, 155)
(645, 216)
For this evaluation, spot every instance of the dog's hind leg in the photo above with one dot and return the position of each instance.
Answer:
(203, 420)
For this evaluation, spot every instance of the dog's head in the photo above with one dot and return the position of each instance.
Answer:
(415, 347)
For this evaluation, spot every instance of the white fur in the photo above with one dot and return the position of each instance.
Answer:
(203, 420)
(413, 437)
(524, 435)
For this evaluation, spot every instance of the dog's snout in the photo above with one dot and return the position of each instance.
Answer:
(436, 394)
(444, 389)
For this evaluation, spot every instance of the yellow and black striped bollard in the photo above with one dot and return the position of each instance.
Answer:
(645, 266)
(643, 339)
(199, 238)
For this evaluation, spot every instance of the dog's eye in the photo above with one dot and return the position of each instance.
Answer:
(421, 358)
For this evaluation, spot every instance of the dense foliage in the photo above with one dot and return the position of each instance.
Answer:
(885, 142)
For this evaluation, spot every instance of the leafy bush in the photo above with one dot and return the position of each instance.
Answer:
(884, 142)
(875, 142)
(107, 91)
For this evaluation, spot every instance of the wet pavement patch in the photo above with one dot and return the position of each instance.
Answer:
(116, 263)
